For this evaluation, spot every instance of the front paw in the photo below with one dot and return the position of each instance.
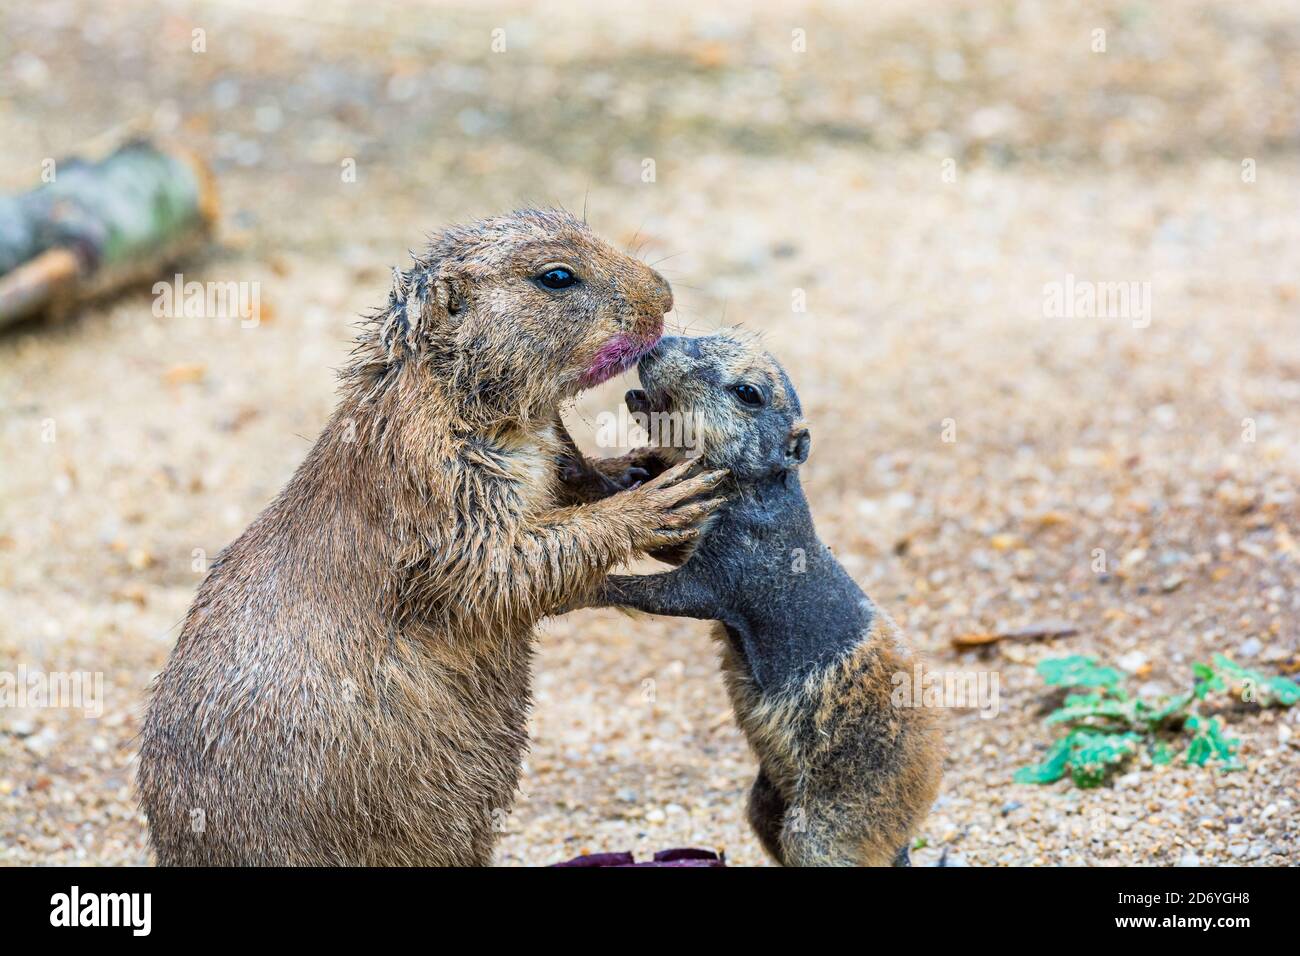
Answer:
(629, 478)
(630, 470)
(647, 462)
(581, 482)
(670, 509)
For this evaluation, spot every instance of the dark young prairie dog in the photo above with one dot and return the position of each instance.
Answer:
(351, 683)
(845, 776)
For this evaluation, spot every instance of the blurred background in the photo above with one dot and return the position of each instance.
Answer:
(887, 190)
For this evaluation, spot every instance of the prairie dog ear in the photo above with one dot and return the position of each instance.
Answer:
(454, 298)
(797, 445)
(433, 300)
(438, 304)
(420, 308)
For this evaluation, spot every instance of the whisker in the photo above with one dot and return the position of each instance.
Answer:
(666, 258)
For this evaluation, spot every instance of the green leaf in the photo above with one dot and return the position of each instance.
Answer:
(1160, 753)
(1256, 686)
(1094, 755)
(1208, 743)
(1054, 766)
(1077, 671)
(1080, 707)
(1206, 680)
(1086, 755)
(1174, 707)
(1134, 713)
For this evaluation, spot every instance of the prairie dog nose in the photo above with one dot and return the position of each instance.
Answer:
(663, 292)
(687, 345)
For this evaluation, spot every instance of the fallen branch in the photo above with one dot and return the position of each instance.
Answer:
(99, 226)
(1039, 631)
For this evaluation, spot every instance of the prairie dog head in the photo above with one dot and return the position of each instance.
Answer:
(517, 312)
(737, 407)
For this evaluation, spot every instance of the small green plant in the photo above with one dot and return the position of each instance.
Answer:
(1107, 726)
(1264, 689)
(1208, 743)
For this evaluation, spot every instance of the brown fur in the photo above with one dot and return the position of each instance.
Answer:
(846, 776)
(351, 683)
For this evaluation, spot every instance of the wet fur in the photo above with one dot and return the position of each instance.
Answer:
(810, 663)
(352, 681)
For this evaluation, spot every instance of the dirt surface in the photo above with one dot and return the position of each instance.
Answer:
(913, 180)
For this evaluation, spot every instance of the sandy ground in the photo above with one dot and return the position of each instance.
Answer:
(914, 180)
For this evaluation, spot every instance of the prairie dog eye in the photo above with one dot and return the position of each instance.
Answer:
(748, 394)
(557, 277)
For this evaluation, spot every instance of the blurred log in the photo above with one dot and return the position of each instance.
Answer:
(100, 226)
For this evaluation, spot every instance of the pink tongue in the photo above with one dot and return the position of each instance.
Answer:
(617, 355)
